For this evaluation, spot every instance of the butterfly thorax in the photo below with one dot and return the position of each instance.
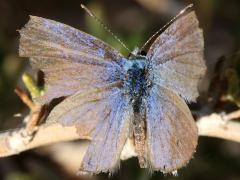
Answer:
(135, 84)
(135, 80)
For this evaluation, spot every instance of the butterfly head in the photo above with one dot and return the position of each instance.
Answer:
(137, 54)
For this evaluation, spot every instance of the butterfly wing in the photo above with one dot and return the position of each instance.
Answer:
(103, 114)
(171, 130)
(103, 154)
(72, 61)
(177, 57)
(84, 68)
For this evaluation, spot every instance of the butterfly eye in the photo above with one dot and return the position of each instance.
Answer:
(143, 53)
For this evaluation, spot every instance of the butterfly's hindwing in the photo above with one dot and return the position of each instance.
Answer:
(171, 130)
(110, 135)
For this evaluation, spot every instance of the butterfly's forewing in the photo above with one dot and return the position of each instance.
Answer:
(177, 57)
(71, 60)
(171, 131)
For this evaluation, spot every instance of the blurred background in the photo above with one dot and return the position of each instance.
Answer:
(133, 21)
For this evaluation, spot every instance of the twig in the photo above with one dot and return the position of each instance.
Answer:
(233, 115)
(35, 117)
(35, 113)
(220, 126)
(24, 97)
(12, 142)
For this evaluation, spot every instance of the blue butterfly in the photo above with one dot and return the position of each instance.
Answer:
(111, 99)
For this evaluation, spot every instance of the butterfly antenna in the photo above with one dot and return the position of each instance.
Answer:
(171, 21)
(104, 27)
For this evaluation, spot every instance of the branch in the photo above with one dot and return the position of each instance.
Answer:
(220, 126)
(13, 142)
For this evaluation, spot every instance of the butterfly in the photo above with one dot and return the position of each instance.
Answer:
(111, 98)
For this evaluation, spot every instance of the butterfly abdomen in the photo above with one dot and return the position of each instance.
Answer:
(139, 134)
